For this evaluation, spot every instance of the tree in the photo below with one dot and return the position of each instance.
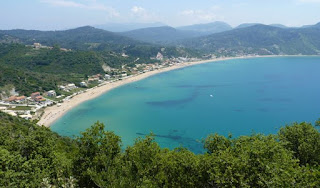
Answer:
(97, 162)
(317, 124)
(304, 140)
(142, 162)
(251, 161)
(215, 143)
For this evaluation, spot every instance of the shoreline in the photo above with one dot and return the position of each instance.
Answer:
(53, 113)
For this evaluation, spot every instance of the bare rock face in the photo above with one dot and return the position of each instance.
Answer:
(106, 68)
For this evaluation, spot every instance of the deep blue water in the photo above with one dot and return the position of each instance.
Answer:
(183, 106)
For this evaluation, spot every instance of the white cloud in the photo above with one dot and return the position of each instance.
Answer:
(200, 15)
(90, 5)
(141, 14)
(136, 9)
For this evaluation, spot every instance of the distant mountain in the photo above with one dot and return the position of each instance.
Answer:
(91, 39)
(209, 28)
(79, 38)
(122, 27)
(164, 34)
(316, 25)
(168, 35)
(260, 39)
(244, 25)
(279, 25)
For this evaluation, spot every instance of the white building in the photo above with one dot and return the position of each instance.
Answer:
(107, 76)
(62, 87)
(52, 93)
(71, 86)
(37, 45)
(27, 117)
(83, 84)
(159, 56)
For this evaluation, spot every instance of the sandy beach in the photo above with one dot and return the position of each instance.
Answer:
(53, 113)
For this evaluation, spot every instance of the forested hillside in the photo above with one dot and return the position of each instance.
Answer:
(33, 156)
(260, 39)
(91, 39)
(31, 70)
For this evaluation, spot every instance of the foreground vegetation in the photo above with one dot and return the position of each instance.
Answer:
(33, 156)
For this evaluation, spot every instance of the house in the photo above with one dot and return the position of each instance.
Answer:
(71, 86)
(37, 45)
(34, 95)
(159, 56)
(39, 99)
(83, 84)
(2, 108)
(62, 87)
(20, 99)
(52, 93)
(11, 99)
(10, 112)
(96, 77)
(107, 76)
(27, 117)
(124, 55)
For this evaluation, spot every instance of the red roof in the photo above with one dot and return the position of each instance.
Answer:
(12, 98)
(20, 98)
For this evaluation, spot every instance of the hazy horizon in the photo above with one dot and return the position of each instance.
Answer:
(66, 14)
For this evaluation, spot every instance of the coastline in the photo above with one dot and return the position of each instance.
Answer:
(53, 113)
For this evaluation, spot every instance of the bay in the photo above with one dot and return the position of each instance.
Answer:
(183, 106)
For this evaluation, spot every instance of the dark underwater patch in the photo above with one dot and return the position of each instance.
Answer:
(202, 86)
(169, 103)
(176, 136)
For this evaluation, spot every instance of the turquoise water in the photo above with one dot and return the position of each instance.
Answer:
(183, 106)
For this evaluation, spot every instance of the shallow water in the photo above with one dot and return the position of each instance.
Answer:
(183, 106)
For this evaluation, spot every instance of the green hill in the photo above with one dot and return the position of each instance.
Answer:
(260, 39)
(92, 39)
(31, 70)
(79, 38)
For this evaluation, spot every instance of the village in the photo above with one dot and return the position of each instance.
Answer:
(32, 107)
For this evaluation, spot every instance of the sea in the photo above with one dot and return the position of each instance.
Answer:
(182, 107)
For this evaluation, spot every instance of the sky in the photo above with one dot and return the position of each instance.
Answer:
(66, 14)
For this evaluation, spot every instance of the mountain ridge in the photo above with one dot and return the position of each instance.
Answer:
(260, 39)
(208, 28)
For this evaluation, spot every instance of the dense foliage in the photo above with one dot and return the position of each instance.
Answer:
(33, 156)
